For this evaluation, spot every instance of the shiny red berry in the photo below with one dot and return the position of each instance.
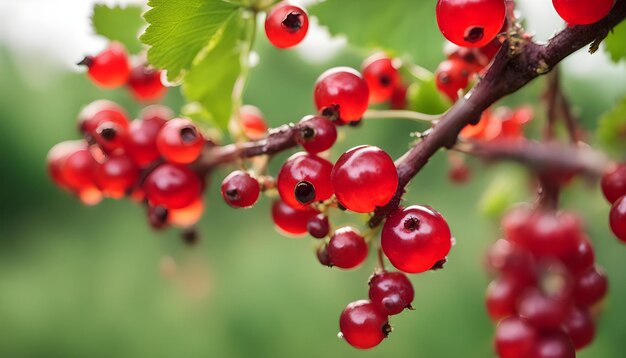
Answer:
(116, 176)
(347, 248)
(580, 327)
(549, 234)
(286, 25)
(343, 87)
(470, 23)
(110, 68)
(452, 76)
(391, 292)
(98, 112)
(382, 77)
(542, 310)
(291, 221)
(145, 84)
(582, 12)
(614, 183)
(502, 296)
(515, 338)
(398, 97)
(253, 122)
(617, 218)
(180, 141)
(304, 179)
(362, 325)
(172, 186)
(415, 238)
(318, 226)
(590, 287)
(555, 344)
(316, 134)
(583, 258)
(240, 190)
(56, 158)
(79, 169)
(511, 260)
(363, 178)
(140, 141)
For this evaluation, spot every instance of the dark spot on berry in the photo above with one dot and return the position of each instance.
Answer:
(305, 192)
(474, 34)
(331, 112)
(444, 78)
(108, 133)
(188, 134)
(384, 80)
(387, 329)
(323, 257)
(412, 223)
(438, 265)
(307, 133)
(157, 216)
(233, 194)
(293, 22)
(355, 123)
(341, 207)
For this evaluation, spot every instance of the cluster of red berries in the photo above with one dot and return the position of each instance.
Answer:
(112, 68)
(503, 123)
(546, 287)
(286, 25)
(146, 159)
(614, 189)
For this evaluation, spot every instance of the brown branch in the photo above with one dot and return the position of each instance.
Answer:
(510, 71)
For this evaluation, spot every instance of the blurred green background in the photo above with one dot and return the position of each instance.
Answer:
(80, 281)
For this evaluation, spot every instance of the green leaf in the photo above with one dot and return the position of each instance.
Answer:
(616, 42)
(504, 190)
(611, 131)
(211, 80)
(179, 29)
(424, 97)
(401, 26)
(118, 23)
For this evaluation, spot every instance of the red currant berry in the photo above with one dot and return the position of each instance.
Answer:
(381, 76)
(291, 221)
(550, 234)
(617, 218)
(110, 68)
(590, 287)
(514, 222)
(363, 178)
(140, 141)
(116, 176)
(582, 12)
(583, 258)
(56, 158)
(515, 338)
(172, 186)
(398, 97)
(391, 292)
(110, 136)
(286, 25)
(501, 298)
(556, 344)
(512, 260)
(542, 310)
(78, 169)
(452, 76)
(252, 121)
(362, 325)
(318, 226)
(347, 248)
(98, 112)
(470, 23)
(316, 134)
(145, 84)
(240, 190)
(180, 141)
(614, 183)
(415, 238)
(343, 87)
(304, 179)
(580, 327)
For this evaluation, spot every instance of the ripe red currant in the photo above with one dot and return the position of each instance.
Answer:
(316, 134)
(343, 87)
(590, 287)
(582, 12)
(555, 344)
(470, 23)
(322, 255)
(542, 310)
(582, 259)
(140, 141)
(452, 76)
(512, 261)
(286, 25)
(362, 325)
(318, 226)
(172, 186)
(291, 221)
(614, 183)
(580, 327)
(145, 84)
(304, 179)
(110, 68)
(98, 112)
(617, 218)
(515, 338)
(79, 169)
(347, 248)
(549, 234)
(502, 296)
(56, 158)
(180, 141)
(415, 238)
(398, 97)
(253, 122)
(381, 76)
(391, 292)
(363, 178)
(240, 190)
(116, 175)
